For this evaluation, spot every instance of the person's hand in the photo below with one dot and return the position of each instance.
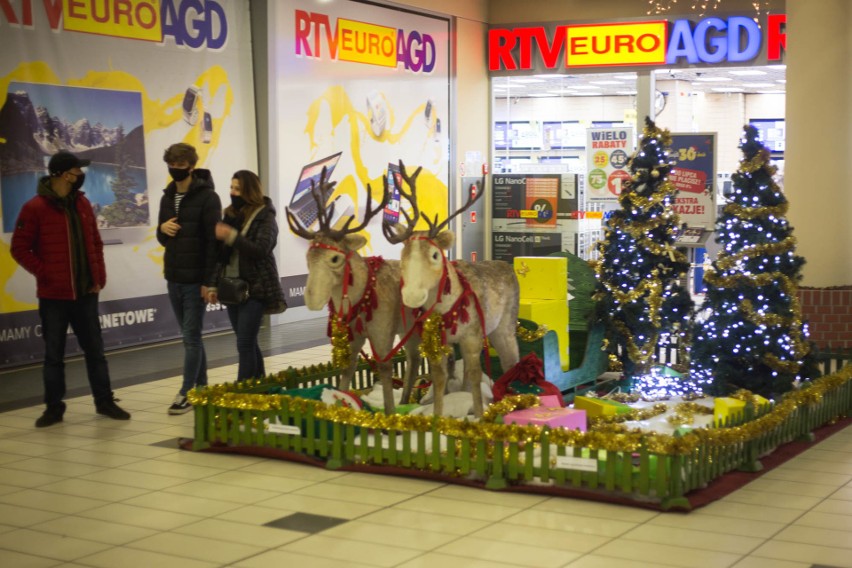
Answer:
(212, 297)
(224, 231)
(94, 289)
(170, 227)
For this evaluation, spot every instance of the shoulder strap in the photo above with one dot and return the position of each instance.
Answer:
(248, 222)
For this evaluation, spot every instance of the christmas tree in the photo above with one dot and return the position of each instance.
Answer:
(753, 336)
(639, 298)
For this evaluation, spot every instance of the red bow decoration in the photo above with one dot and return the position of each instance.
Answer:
(526, 377)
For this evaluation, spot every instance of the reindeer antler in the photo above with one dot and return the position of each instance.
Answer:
(326, 214)
(369, 213)
(435, 227)
(318, 192)
(410, 220)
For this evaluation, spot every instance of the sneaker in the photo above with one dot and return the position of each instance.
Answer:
(49, 418)
(111, 410)
(180, 405)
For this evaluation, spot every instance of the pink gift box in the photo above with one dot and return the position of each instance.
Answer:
(552, 417)
(551, 401)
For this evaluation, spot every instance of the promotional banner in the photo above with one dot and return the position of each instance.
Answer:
(117, 83)
(524, 210)
(358, 87)
(607, 152)
(694, 175)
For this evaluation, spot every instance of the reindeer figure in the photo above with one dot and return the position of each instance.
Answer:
(363, 292)
(474, 299)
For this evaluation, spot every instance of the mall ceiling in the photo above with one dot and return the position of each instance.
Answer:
(768, 79)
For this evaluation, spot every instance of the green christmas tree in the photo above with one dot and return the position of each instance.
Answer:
(638, 294)
(125, 211)
(753, 336)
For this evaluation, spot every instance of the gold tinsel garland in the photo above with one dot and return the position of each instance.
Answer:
(684, 413)
(744, 212)
(528, 335)
(606, 436)
(432, 346)
(726, 262)
(341, 350)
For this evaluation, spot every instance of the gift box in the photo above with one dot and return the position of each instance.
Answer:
(551, 400)
(554, 315)
(725, 407)
(552, 417)
(600, 406)
(542, 277)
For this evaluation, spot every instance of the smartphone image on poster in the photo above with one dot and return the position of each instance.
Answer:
(190, 105)
(391, 212)
(207, 128)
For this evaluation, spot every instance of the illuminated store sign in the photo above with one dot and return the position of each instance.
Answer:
(362, 42)
(711, 41)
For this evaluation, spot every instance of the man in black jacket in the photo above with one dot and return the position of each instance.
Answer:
(189, 211)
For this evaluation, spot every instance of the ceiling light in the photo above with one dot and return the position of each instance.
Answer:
(756, 85)
(776, 66)
(780, 80)
(551, 76)
(713, 79)
(606, 83)
(747, 72)
(586, 87)
(626, 77)
(771, 92)
(661, 71)
(527, 80)
(625, 92)
(727, 89)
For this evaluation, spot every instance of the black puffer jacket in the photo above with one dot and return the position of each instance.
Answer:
(190, 256)
(257, 263)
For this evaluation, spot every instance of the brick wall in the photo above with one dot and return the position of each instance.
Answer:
(828, 312)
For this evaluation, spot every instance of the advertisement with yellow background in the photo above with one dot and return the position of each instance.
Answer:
(357, 88)
(117, 83)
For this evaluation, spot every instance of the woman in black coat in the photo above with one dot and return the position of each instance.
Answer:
(249, 234)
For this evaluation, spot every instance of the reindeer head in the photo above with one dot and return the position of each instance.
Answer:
(423, 260)
(330, 250)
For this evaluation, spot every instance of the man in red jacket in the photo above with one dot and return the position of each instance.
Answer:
(56, 239)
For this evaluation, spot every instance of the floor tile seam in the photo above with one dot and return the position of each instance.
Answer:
(722, 519)
(54, 559)
(661, 563)
(763, 540)
(111, 544)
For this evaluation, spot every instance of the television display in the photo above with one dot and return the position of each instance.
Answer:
(568, 134)
(102, 125)
(772, 133)
(525, 135)
(501, 140)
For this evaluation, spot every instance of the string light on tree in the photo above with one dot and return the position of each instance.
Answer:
(753, 336)
(638, 297)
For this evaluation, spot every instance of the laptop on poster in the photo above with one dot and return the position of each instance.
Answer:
(302, 204)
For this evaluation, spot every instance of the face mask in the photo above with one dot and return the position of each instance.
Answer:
(78, 183)
(237, 201)
(179, 174)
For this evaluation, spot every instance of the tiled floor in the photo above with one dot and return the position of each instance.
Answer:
(100, 493)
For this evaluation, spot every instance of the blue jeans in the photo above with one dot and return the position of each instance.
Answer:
(189, 310)
(82, 315)
(246, 319)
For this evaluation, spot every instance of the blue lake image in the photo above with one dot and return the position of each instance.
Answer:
(17, 189)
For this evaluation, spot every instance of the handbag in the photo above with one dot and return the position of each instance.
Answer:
(232, 291)
(235, 291)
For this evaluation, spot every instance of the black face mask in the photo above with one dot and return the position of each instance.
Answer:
(78, 183)
(179, 174)
(237, 201)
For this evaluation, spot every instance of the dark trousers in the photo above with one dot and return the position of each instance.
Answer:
(246, 319)
(189, 309)
(82, 316)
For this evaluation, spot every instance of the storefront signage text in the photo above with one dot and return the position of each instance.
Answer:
(362, 42)
(713, 40)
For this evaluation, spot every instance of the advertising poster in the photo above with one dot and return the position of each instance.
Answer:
(524, 209)
(117, 83)
(694, 175)
(607, 153)
(356, 87)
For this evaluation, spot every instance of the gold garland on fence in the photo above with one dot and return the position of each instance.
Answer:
(608, 436)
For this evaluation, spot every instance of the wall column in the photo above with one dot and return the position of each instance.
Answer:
(819, 138)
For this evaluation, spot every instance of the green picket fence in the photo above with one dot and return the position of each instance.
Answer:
(639, 473)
